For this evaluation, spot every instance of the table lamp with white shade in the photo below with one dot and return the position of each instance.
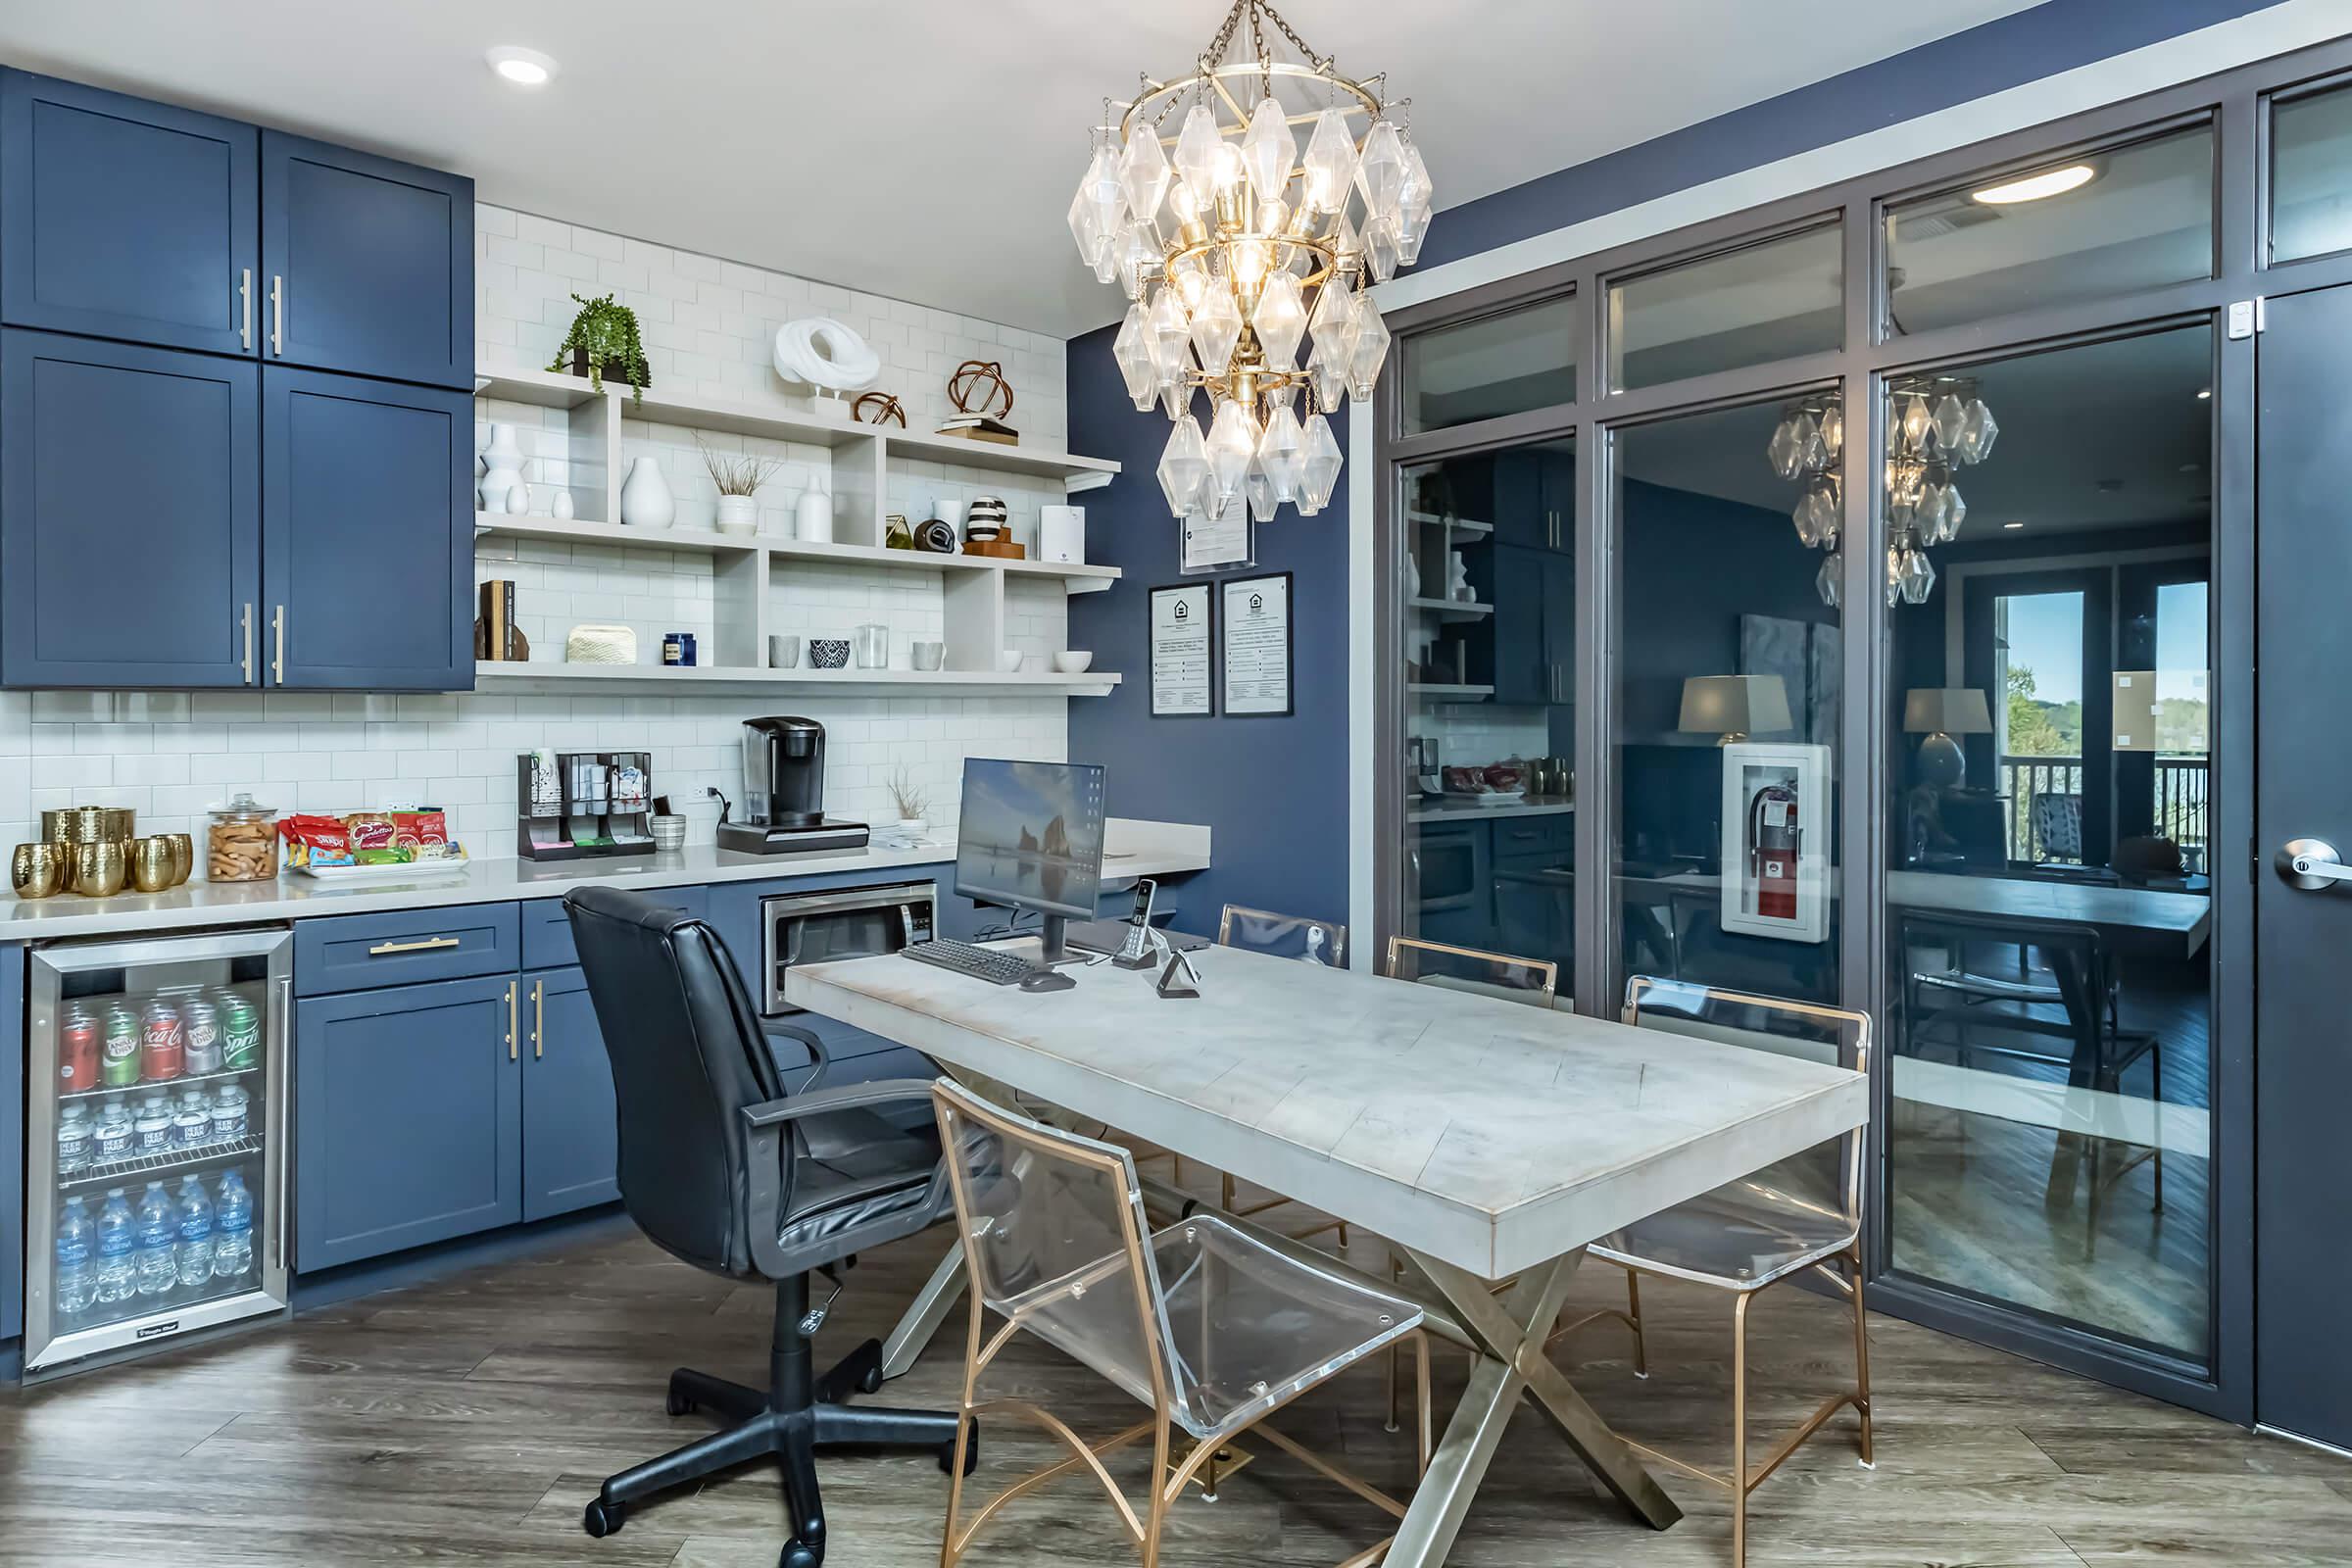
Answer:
(1940, 712)
(1732, 708)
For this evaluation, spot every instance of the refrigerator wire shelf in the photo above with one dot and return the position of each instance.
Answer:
(172, 1085)
(148, 1167)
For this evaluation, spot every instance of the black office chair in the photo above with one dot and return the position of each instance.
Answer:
(721, 1167)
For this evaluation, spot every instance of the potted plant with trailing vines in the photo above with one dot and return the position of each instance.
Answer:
(602, 341)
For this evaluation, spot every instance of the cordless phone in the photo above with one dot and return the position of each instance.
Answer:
(1135, 953)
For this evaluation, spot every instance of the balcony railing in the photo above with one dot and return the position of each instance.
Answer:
(2180, 804)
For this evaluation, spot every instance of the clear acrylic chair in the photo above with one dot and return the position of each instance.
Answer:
(1534, 981)
(1281, 936)
(1209, 1329)
(1804, 1212)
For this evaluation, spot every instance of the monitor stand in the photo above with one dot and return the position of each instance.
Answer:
(1053, 947)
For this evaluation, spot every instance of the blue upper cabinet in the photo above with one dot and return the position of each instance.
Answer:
(368, 263)
(129, 485)
(367, 533)
(127, 220)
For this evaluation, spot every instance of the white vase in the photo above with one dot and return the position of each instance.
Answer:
(519, 500)
(502, 467)
(645, 497)
(812, 522)
(562, 508)
(738, 513)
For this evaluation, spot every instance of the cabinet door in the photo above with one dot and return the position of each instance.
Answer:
(1559, 628)
(370, 263)
(367, 533)
(1522, 515)
(1521, 673)
(408, 1119)
(570, 1145)
(125, 218)
(1558, 469)
(129, 504)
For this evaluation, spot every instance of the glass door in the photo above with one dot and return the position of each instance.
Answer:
(156, 1150)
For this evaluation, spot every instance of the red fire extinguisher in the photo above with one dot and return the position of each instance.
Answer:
(1773, 839)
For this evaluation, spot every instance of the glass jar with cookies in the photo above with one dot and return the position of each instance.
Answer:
(242, 844)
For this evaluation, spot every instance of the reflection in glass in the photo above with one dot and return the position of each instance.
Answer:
(2311, 176)
(2091, 226)
(1489, 644)
(1502, 363)
(2049, 917)
(1729, 693)
(1760, 303)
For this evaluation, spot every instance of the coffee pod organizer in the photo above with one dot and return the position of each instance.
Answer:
(581, 805)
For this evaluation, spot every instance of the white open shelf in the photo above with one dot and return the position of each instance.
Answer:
(719, 680)
(859, 463)
(1450, 693)
(1450, 608)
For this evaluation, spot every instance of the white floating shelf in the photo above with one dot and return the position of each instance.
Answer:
(1450, 693)
(960, 452)
(1450, 608)
(721, 680)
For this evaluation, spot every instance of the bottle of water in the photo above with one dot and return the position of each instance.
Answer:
(117, 1238)
(195, 1255)
(159, 1238)
(232, 1229)
(77, 1278)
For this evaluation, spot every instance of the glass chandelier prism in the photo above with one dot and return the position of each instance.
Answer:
(1238, 248)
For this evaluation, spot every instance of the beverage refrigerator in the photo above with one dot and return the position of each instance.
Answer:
(156, 1146)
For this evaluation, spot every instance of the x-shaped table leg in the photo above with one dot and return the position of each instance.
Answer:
(1510, 1331)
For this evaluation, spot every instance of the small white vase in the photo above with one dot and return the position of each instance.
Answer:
(519, 500)
(738, 513)
(812, 523)
(562, 508)
(502, 467)
(645, 497)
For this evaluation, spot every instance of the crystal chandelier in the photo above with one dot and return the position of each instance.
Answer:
(1239, 249)
(1935, 424)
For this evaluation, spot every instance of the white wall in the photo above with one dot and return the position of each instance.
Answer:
(707, 326)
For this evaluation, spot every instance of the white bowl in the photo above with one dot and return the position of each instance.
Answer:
(1073, 661)
(1009, 660)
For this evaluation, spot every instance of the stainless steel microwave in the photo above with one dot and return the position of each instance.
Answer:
(818, 927)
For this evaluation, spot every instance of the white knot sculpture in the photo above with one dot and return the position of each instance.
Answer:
(827, 355)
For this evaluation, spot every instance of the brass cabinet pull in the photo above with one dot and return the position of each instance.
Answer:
(278, 315)
(245, 663)
(245, 308)
(426, 945)
(277, 657)
(514, 1024)
(538, 1019)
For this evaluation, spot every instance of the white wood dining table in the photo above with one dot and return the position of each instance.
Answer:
(1487, 1140)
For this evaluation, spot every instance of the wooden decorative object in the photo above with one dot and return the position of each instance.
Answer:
(496, 637)
(1000, 549)
(985, 380)
(886, 410)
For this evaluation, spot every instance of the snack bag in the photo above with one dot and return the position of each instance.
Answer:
(315, 841)
(425, 831)
(369, 830)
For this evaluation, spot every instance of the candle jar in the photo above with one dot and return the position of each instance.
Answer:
(871, 645)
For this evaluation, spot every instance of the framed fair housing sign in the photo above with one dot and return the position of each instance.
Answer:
(1775, 841)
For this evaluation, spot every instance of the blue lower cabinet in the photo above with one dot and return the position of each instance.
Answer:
(408, 1117)
(570, 1146)
(13, 1047)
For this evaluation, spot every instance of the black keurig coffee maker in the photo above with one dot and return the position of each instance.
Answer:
(784, 793)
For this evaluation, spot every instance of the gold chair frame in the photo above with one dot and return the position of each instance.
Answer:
(1170, 1476)
(1744, 1477)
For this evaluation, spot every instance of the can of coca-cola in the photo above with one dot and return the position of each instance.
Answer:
(77, 1051)
(163, 1043)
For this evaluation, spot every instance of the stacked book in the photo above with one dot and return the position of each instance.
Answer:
(981, 427)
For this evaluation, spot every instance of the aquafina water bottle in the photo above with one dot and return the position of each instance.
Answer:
(232, 1229)
(76, 1276)
(118, 1238)
(159, 1238)
(195, 1213)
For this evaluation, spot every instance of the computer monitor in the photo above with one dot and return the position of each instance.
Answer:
(1030, 837)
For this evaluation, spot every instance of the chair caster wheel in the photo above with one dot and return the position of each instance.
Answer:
(677, 1403)
(871, 1383)
(603, 1518)
(971, 1453)
(797, 1555)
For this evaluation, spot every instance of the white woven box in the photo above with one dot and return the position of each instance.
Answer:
(601, 645)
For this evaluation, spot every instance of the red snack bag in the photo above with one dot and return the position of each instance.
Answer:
(315, 841)
(369, 830)
(425, 830)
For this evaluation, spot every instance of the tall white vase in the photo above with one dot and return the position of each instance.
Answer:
(645, 497)
(812, 518)
(502, 463)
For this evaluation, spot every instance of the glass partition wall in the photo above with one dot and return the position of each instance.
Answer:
(1866, 585)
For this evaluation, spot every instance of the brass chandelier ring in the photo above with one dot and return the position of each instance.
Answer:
(1159, 95)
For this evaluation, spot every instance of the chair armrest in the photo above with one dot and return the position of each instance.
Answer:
(773, 1167)
(820, 1059)
(844, 1097)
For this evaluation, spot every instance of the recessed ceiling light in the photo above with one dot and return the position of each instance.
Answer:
(2035, 187)
(2013, 525)
(2203, 393)
(525, 68)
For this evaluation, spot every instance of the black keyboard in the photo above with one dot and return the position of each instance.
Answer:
(992, 964)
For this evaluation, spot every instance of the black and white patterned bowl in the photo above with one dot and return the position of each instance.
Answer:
(828, 653)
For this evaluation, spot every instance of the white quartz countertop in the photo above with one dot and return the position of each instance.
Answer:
(1131, 848)
(1488, 1134)
(1452, 808)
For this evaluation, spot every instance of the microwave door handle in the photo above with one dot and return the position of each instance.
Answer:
(905, 925)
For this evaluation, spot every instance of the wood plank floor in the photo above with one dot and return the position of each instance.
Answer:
(469, 1420)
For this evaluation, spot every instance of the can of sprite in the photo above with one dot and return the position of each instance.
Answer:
(240, 1034)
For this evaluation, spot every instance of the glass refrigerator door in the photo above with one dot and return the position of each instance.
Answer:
(156, 1141)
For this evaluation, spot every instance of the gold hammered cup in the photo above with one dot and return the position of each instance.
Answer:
(36, 870)
(151, 863)
(184, 856)
(99, 869)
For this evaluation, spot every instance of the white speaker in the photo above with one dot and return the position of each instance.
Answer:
(1061, 535)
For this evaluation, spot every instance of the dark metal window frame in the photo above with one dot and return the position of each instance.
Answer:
(2238, 105)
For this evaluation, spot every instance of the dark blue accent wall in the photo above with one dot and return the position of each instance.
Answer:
(1275, 790)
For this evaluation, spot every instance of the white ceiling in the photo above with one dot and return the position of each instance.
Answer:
(924, 150)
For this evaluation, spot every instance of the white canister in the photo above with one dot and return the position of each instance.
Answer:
(645, 497)
(812, 523)
(738, 513)
(502, 467)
